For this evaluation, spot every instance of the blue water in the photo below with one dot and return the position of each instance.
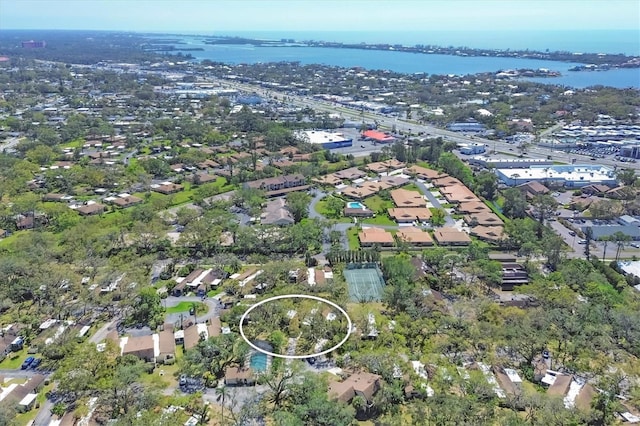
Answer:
(623, 41)
(355, 205)
(258, 361)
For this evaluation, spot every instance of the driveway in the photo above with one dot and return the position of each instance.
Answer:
(448, 220)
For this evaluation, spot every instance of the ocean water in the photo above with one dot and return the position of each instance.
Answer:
(622, 41)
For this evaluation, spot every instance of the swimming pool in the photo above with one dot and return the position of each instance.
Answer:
(258, 361)
(355, 205)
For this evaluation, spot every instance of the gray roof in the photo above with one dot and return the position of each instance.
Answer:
(600, 231)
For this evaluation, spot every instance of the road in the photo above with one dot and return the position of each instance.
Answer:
(412, 127)
(212, 304)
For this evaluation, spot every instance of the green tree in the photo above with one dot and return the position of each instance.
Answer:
(298, 204)
(544, 207)
(486, 185)
(515, 204)
(438, 216)
(626, 176)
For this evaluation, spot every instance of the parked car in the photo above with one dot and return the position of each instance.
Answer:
(35, 363)
(635, 245)
(27, 362)
(582, 242)
(573, 234)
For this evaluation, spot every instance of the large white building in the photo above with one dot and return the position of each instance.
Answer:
(569, 176)
(328, 140)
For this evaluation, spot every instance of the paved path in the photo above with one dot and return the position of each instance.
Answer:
(435, 202)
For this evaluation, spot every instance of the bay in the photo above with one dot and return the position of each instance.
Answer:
(409, 63)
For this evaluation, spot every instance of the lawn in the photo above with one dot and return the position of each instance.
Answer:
(201, 308)
(10, 363)
(352, 236)
(163, 377)
(380, 219)
(377, 204)
(212, 293)
(412, 187)
(321, 208)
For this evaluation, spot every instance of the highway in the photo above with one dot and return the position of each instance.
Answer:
(412, 127)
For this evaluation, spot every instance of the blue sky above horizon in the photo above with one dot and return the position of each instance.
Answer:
(317, 15)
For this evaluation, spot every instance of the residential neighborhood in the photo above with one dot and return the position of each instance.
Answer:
(149, 207)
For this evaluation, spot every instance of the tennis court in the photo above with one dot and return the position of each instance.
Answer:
(365, 285)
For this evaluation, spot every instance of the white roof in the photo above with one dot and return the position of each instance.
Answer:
(629, 417)
(28, 399)
(512, 375)
(321, 136)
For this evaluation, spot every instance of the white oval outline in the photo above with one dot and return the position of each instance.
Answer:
(298, 296)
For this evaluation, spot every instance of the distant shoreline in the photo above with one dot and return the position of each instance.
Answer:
(595, 61)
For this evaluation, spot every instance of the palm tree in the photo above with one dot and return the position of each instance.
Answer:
(222, 392)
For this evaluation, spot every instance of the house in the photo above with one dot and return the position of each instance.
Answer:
(357, 212)
(509, 380)
(451, 237)
(559, 386)
(236, 376)
(90, 209)
(472, 207)
(385, 166)
(414, 236)
(493, 234)
(126, 200)
(533, 188)
(459, 193)
(405, 198)
(359, 384)
(424, 173)
(351, 174)
(375, 236)
(410, 215)
(200, 178)
(24, 396)
(595, 189)
(166, 347)
(276, 213)
(167, 188)
(140, 346)
(279, 185)
(331, 180)
(484, 219)
(56, 197)
(194, 334)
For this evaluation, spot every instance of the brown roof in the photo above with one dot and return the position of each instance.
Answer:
(561, 386)
(445, 180)
(414, 235)
(458, 194)
(90, 209)
(401, 214)
(451, 236)
(484, 218)
(423, 172)
(585, 396)
(127, 201)
(215, 327)
(191, 337)
(488, 233)
(236, 373)
(406, 198)
(365, 384)
(167, 342)
(138, 344)
(384, 166)
(375, 236)
(351, 173)
(193, 275)
(475, 206)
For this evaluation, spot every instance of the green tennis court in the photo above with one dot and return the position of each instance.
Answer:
(365, 285)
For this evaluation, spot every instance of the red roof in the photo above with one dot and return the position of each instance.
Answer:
(376, 135)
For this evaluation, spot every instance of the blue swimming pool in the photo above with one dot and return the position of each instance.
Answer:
(258, 361)
(355, 205)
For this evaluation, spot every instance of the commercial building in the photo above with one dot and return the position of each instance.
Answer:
(377, 136)
(467, 127)
(569, 176)
(473, 148)
(328, 140)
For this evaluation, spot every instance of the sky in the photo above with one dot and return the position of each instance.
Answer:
(211, 16)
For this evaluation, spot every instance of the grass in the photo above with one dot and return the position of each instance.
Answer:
(377, 204)
(167, 380)
(201, 308)
(352, 237)
(381, 219)
(10, 363)
(212, 293)
(412, 187)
